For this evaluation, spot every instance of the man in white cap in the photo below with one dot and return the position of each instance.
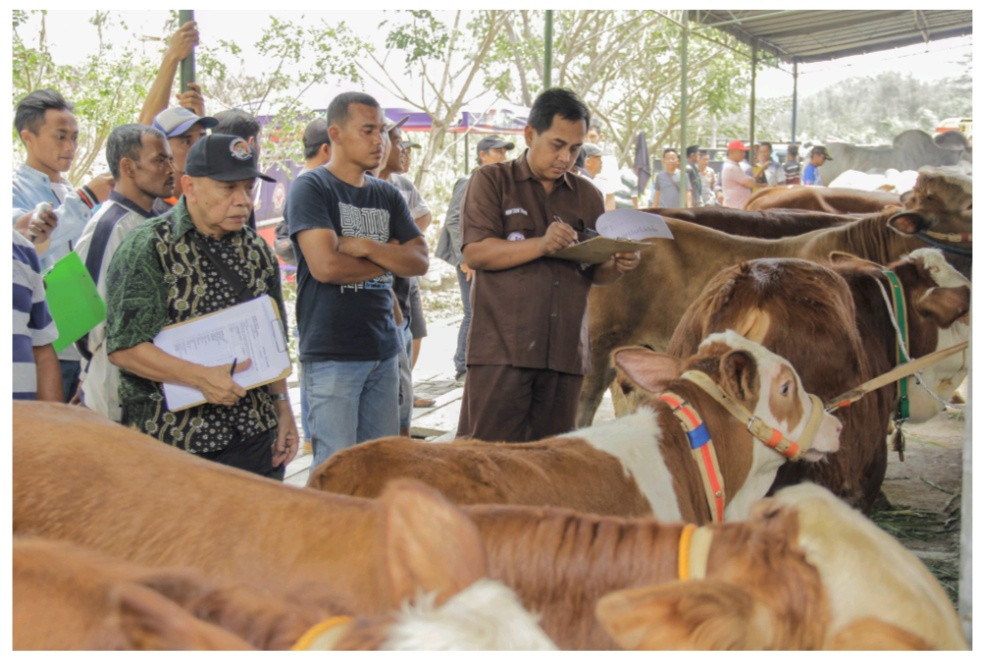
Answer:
(183, 129)
(198, 258)
(737, 185)
(593, 163)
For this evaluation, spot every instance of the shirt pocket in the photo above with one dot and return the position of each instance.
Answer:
(518, 225)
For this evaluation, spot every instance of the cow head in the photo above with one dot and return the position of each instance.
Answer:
(939, 301)
(940, 202)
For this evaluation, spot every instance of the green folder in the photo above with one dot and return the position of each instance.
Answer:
(73, 300)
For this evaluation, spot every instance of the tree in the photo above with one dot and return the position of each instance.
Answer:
(890, 103)
(626, 65)
(107, 87)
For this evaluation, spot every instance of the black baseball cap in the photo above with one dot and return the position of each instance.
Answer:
(222, 158)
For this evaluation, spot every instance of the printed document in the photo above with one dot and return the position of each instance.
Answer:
(251, 330)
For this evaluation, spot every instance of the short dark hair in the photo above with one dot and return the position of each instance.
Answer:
(767, 145)
(691, 151)
(31, 110)
(339, 109)
(791, 149)
(554, 101)
(667, 151)
(236, 122)
(126, 141)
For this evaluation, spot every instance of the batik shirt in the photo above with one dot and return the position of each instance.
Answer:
(158, 277)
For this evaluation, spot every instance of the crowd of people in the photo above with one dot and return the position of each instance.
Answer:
(168, 236)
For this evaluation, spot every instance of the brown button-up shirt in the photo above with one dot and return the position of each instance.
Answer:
(530, 315)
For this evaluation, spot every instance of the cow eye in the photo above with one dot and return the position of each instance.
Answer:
(785, 388)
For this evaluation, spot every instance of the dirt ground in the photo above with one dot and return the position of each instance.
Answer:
(922, 494)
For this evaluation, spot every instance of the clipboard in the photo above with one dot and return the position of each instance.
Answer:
(597, 250)
(251, 329)
(73, 300)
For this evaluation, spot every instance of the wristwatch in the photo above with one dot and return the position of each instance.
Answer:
(280, 397)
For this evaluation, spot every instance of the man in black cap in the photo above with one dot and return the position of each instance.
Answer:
(811, 176)
(491, 149)
(198, 258)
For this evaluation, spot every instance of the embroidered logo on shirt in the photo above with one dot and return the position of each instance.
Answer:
(516, 210)
(515, 237)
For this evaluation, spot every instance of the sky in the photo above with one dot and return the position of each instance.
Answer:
(69, 33)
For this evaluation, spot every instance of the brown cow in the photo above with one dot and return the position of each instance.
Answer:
(817, 198)
(881, 595)
(799, 309)
(644, 306)
(769, 224)
(637, 465)
(66, 597)
(78, 476)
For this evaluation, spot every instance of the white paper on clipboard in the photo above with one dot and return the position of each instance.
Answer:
(250, 330)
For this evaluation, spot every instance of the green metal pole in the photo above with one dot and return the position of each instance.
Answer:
(187, 65)
(548, 49)
(752, 106)
(684, 107)
(793, 117)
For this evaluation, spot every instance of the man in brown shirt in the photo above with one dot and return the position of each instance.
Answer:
(528, 339)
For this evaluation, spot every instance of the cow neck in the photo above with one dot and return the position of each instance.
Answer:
(703, 452)
(552, 556)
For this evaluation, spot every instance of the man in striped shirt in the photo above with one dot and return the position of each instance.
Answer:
(36, 372)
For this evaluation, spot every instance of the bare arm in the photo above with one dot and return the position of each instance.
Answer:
(327, 264)
(181, 45)
(409, 259)
(48, 374)
(495, 254)
(151, 362)
(423, 221)
(287, 438)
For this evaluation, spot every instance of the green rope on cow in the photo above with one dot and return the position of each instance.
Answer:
(902, 342)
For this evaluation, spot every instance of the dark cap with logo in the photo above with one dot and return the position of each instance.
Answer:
(222, 158)
(493, 142)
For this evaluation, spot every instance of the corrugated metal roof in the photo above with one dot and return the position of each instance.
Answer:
(808, 36)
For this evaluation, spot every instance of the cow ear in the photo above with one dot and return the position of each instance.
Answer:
(149, 621)
(693, 615)
(944, 305)
(428, 543)
(875, 634)
(851, 260)
(907, 222)
(738, 375)
(646, 369)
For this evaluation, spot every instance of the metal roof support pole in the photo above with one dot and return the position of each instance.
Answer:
(684, 108)
(752, 104)
(466, 153)
(547, 76)
(793, 116)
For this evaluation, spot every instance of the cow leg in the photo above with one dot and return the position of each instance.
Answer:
(594, 384)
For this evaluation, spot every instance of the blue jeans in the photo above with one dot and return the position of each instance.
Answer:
(350, 401)
(70, 370)
(460, 358)
(405, 375)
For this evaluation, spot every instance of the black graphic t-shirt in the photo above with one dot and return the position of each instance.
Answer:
(352, 321)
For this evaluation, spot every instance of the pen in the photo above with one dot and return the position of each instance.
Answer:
(232, 372)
